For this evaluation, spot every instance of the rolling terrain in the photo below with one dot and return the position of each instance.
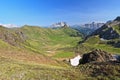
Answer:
(35, 53)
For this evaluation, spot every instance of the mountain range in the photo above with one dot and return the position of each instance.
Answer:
(106, 38)
(34, 52)
(87, 29)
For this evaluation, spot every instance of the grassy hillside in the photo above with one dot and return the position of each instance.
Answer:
(41, 40)
(117, 28)
(36, 52)
(35, 43)
(95, 42)
(18, 70)
(40, 52)
(51, 42)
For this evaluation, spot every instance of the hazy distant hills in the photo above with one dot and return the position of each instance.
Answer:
(87, 29)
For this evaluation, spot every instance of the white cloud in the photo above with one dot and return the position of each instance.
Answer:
(9, 25)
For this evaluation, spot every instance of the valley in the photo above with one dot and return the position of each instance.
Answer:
(33, 52)
(59, 39)
(37, 53)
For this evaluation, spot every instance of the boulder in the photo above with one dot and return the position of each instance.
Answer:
(97, 56)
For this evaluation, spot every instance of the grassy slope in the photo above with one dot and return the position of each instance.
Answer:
(12, 52)
(51, 42)
(56, 43)
(34, 62)
(17, 70)
(17, 64)
(94, 42)
(116, 28)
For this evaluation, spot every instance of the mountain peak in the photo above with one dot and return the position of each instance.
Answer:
(117, 19)
(60, 25)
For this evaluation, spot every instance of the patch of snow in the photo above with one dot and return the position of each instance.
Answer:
(102, 39)
(75, 61)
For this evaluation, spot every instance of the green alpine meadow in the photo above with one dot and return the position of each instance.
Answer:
(59, 40)
(33, 52)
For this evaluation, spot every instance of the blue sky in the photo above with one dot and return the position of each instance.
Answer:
(47, 12)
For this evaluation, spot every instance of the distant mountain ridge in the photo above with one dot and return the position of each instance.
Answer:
(106, 38)
(87, 29)
(109, 30)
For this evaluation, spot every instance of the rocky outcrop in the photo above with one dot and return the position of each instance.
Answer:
(97, 56)
(13, 37)
(106, 32)
(117, 19)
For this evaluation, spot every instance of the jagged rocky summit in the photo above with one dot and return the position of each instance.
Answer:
(59, 25)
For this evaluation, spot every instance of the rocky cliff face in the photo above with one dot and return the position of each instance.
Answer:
(106, 32)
